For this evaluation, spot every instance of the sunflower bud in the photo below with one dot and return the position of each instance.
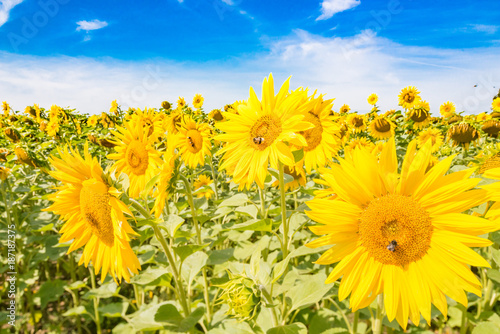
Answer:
(12, 134)
(242, 296)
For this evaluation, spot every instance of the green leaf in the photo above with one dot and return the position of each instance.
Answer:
(155, 317)
(286, 178)
(495, 237)
(106, 290)
(251, 210)
(184, 251)
(486, 328)
(236, 200)
(255, 262)
(172, 223)
(50, 291)
(308, 290)
(220, 256)
(45, 228)
(114, 310)
(280, 267)
(77, 285)
(494, 275)
(191, 320)
(192, 266)
(295, 328)
(253, 225)
(149, 186)
(75, 311)
(496, 255)
(149, 275)
(298, 155)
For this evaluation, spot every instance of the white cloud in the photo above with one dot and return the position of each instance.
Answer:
(91, 25)
(332, 7)
(228, 2)
(489, 29)
(5, 8)
(348, 69)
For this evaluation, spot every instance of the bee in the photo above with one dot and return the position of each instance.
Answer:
(190, 141)
(392, 246)
(258, 140)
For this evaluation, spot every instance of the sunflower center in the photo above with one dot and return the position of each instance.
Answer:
(395, 230)
(409, 97)
(148, 123)
(96, 211)
(137, 157)
(194, 141)
(312, 136)
(382, 125)
(265, 131)
(358, 122)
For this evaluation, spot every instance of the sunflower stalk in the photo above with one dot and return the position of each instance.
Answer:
(283, 209)
(377, 322)
(269, 301)
(96, 302)
(198, 234)
(214, 176)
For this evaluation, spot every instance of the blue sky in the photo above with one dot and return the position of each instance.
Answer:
(147, 51)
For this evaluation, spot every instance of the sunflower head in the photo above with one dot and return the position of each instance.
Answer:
(166, 105)
(4, 173)
(181, 103)
(216, 115)
(381, 128)
(198, 101)
(372, 99)
(194, 143)
(12, 134)
(344, 109)
(24, 157)
(463, 134)
(356, 122)
(5, 108)
(433, 135)
(408, 97)
(491, 127)
(447, 109)
(495, 105)
(420, 114)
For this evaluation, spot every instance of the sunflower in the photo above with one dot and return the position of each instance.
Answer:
(420, 114)
(135, 156)
(447, 109)
(381, 128)
(173, 122)
(54, 113)
(358, 143)
(401, 234)
(181, 103)
(114, 108)
(257, 136)
(482, 117)
(356, 122)
(167, 176)
(194, 142)
(299, 176)
(491, 127)
(94, 215)
(5, 108)
(52, 128)
(216, 115)
(495, 105)
(4, 172)
(198, 101)
(344, 109)
(166, 105)
(408, 97)
(322, 140)
(150, 120)
(92, 120)
(372, 99)
(204, 182)
(463, 134)
(432, 134)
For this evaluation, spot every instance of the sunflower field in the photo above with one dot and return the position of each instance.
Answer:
(274, 215)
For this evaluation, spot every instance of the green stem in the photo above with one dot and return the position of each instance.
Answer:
(283, 209)
(175, 273)
(337, 306)
(214, 176)
(96, 301)
(269, 301)
(198, 234)
(76, 301)
(263, 212)
(463, 325)
(377, 323)
(355, 323)
(137, 295)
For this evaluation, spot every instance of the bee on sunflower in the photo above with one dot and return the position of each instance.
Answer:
(194, 142)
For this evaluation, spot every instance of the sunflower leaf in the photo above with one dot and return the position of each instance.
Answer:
(253, 225)
(149, 186)
(295, 328)
(298, 155)
(184, 251)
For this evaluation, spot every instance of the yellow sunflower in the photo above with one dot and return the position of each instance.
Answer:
(495, 105)
(151, 120)
(408, 97)
(203, 181)
(135, 156)
(372, 99)
(358, 143)
(482, 117)
(401, 234)
(420, 114)
(114, 108)
(323, 139)
(194, 142)
(94, 215)
(173, 122)
(382, 128)
(344, 109)
(198, 101)
(447, 109)
(92, 120)
(54, 113)
(356, 122)
(52, 128)
(216, 115)
(4, 172)
(181, 103)
(257, 135)
(463, 134)
(5, 108)
(432, 134)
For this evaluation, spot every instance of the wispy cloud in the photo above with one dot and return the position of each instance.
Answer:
(489, 29)
(332, 7)
(5, 8)
(348, 69)
(91, 25)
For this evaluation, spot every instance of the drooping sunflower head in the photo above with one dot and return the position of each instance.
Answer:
(194, 142)
(166, 105)
(372, 99)
(93, 215)
(420, 114)
(263, 133)
(408, 97)
(395, 232)
(30, 111)
(491, 127)
(495, 105)
(216, 115)
(198, 101)
(12, 134)
(4, 173)
(135, 155)
(356, 122)
(447, 109)
(24, 157)
(382, 128)
(434, 135)
(463, 134)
